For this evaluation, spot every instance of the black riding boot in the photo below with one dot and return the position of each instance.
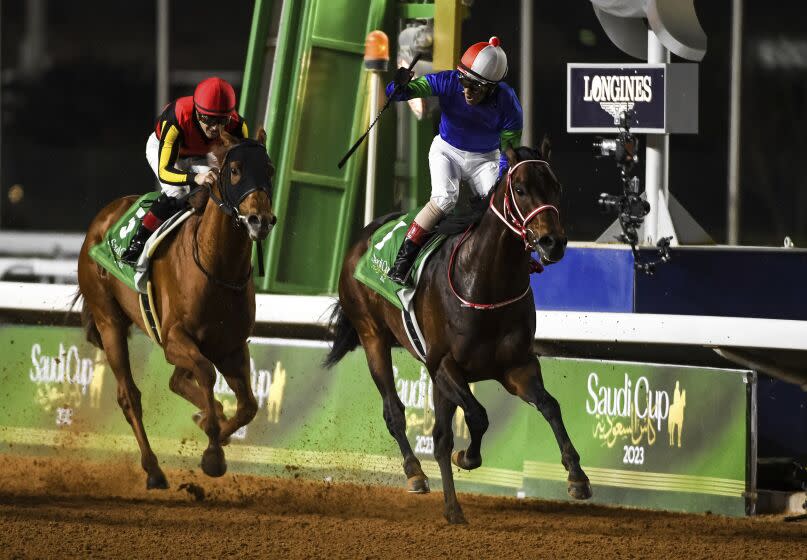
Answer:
(402, 267)
(132, 252)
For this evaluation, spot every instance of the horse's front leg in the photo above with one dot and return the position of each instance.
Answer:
(235, 370)
(183, 383)
(450, 379)
(183, 352)
(526, 382)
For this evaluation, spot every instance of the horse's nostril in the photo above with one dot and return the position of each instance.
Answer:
(546, 242)
(272, 220)
(254, 220)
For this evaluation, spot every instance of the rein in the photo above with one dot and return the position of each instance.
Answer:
(516, 222)
(231, 285)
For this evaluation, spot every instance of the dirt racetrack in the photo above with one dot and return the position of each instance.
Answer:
(55, 508)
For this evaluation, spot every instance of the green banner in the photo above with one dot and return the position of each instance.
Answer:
(117, 239)
(372, 268)
(648, 435)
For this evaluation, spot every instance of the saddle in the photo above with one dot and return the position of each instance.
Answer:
(107, 254)
(371, 270)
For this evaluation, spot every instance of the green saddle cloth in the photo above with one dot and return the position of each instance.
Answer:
(117, 238)
(377, 260)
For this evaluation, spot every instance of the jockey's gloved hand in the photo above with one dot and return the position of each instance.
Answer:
(205, 178)
(403, 76)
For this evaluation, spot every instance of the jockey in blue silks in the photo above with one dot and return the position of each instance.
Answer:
(481, 117)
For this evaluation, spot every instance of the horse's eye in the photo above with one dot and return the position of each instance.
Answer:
(519, 191)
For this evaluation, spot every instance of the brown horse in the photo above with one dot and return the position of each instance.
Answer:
(468, 341)
(204, 297)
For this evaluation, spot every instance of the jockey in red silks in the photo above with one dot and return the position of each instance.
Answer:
(481, 117)
(176, 151)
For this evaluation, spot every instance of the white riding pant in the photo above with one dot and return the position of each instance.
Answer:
(196, 164)
(449, 166)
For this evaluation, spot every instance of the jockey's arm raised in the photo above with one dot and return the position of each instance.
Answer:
(496, 123)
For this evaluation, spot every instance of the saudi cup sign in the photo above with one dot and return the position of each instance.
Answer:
(658, 436)
(651, 435)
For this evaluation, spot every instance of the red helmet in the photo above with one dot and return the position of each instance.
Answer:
(215, 97)
(484, 62)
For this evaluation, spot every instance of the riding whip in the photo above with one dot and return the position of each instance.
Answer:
(384, 108)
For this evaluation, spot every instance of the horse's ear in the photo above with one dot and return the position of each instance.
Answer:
(261, 136)
(228, 140)
(216, 155)
(546, 148)
(512, 157)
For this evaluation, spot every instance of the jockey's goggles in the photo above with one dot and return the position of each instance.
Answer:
(212, 120)
(473, 85)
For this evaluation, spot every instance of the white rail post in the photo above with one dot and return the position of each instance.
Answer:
(656, 153)
(372, 149)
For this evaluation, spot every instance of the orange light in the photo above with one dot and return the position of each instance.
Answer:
(376, 50)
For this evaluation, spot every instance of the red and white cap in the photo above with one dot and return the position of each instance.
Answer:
(485, 62)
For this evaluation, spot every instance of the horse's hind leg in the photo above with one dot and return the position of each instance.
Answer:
(379, 360)
(113, 337)
(450, 380)
(182, 351)
(527, 382)
(183, 383)
(443, 434)
(235, 369)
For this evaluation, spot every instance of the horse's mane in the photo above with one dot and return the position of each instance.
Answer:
(463, 217)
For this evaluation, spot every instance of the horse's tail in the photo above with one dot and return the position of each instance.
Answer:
(66, 318)
(345, 337)
(87, 321)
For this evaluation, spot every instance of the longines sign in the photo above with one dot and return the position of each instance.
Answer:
(664, 97)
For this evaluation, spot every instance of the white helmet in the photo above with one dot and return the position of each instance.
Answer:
(485, 62)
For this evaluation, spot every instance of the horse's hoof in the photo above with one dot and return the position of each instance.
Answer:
(455, 517)
(460, 459)
(156, 482)
(213, 463)
(579, 489)
(418, 484)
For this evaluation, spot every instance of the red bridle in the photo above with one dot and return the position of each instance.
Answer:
(516, 221)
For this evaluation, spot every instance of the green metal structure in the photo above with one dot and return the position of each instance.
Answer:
(305, 83)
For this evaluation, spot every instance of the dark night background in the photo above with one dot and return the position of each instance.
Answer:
(74, 123)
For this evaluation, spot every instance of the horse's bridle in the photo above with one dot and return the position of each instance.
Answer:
(229, 203)
(516, 221)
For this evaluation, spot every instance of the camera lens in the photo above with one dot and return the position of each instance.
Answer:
(603, 147)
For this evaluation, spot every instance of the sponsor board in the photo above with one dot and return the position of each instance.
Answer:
(648, 435)
(663, 97)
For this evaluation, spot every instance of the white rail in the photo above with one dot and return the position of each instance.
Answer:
(40, 244)
(635, 328)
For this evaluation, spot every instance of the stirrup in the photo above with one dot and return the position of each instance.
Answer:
(395, 276)
(132, 253)
(401, 271)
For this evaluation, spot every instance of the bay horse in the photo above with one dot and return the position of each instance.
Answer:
(204, 297)
(475, 308)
